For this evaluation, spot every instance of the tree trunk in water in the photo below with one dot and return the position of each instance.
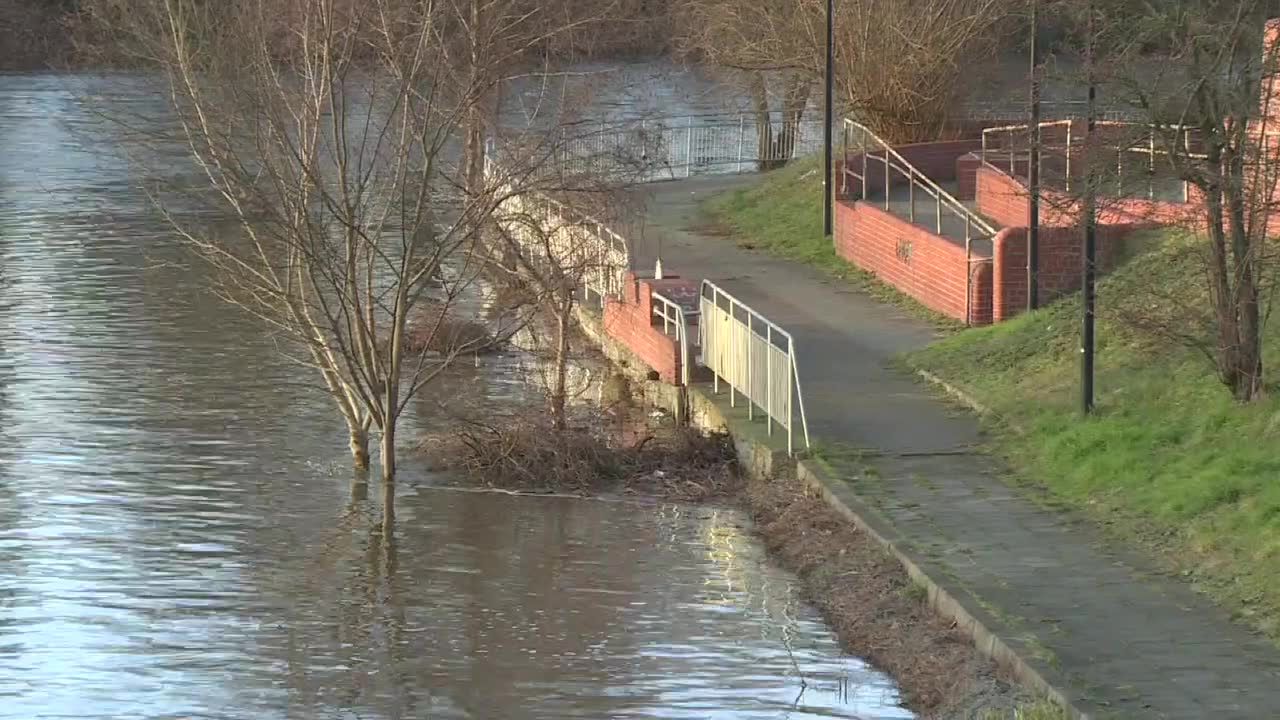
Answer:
(560, 380)
(389, 451)
(360, 448)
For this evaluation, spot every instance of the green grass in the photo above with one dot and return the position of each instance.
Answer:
(1169, 461)
(782, 216)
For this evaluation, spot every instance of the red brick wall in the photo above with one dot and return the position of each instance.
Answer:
(629, 321)
(929, 268)
(938, 159)
(1061, 263)
(1001, 198)
(967, 176)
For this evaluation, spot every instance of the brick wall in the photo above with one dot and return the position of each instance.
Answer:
(1001, 198)
(929, 268)
(938, 159)
(629, 321)
(967, 176)
(1061, 263)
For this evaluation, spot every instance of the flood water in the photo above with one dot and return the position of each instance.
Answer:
(181, 536)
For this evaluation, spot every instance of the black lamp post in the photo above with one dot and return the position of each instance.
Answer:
(1033, 171)
(1090, 221)
(827, 210)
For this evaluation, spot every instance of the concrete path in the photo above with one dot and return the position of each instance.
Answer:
(1120, 639)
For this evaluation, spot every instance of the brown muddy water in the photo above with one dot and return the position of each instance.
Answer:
(181, 536)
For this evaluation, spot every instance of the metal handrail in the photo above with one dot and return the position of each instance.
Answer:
(673, 314)
(738, 366)
(613, 252)
(915, 177)
(1147, 148)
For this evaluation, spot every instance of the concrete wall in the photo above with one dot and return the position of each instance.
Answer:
(929, 268)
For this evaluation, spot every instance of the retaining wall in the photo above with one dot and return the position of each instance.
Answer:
(630, 321)
(927, 267)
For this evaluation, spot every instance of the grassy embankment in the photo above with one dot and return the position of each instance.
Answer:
(1169, 460)
(782, 216)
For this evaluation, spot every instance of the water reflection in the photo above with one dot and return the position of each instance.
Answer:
(181, 534)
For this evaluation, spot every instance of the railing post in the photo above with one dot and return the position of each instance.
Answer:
(688, 149)
(911, 197)
(886, 179)
(1151, 167)
(768, 380)
(733, 356)
(1119, 171)
(791, 378)
(751, 401)
(1069, 124)
(1012, 170)
(864, 168)
(984, 146)
(1186, 143)
(742, 133)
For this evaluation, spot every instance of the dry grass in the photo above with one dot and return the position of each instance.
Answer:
(527, 454)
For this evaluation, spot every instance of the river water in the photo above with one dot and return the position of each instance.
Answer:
(181, 535)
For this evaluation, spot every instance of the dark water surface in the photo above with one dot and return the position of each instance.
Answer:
(181, 537)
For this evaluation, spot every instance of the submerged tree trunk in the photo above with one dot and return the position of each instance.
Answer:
(360, 447)
(389, 452)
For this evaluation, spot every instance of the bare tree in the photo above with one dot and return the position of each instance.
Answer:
(554, 251)
(900, 65)
(1201, 74)
(335, 155)
(774, 42)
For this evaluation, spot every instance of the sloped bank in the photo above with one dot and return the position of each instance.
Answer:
(879, 604)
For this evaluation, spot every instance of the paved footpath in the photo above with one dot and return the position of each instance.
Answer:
(1117, 637)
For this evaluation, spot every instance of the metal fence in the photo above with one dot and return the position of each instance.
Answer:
(648, 150)
(550, 231)
(755, 357)
(1127, 156)
(675, 322)
(863, 151)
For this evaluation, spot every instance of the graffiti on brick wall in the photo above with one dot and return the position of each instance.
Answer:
(903, 249)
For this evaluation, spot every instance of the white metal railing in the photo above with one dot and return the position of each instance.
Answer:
(1062, 146)
(652, 149)
(675, 322)
(858, 141)
(754, 356)
(552, 231)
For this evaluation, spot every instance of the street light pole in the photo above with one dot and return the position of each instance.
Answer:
(1090, 231)
(827, 210)
(1033, 171)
